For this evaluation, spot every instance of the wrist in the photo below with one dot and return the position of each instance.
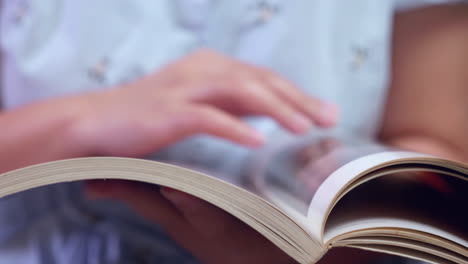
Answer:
(79, 128)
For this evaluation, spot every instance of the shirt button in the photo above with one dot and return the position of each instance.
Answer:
(98, 71)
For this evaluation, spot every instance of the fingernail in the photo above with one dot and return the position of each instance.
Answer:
(328, 114)
(301, 123)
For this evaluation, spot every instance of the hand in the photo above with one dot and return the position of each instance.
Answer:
(210, 234)
(202, 93)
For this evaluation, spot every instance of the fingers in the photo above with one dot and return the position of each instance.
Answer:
(209, 120)
(249, 90)
(322, 113)
(147, 201)
(209, 220)
(144, 198)
(210, 234)
(196, 225)
(249, 96)
(228, 239)
(241, 88)
(255, 99)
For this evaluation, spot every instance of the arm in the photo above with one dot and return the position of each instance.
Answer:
(180, 100)
(38, 133)
(427, 108)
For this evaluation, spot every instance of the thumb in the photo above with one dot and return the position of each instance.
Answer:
(209, 220)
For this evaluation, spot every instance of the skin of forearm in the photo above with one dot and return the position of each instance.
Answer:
(428, 145)
(427, 108)
(40, 132)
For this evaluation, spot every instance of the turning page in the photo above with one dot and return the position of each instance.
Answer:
(290, 172)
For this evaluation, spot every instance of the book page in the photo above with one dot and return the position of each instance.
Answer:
(289, 173)
(427, 197)
(417, 206)
(355, 172)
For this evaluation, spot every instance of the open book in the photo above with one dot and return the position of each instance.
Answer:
(309, 198)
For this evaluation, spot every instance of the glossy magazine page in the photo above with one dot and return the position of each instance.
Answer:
(288, 173)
